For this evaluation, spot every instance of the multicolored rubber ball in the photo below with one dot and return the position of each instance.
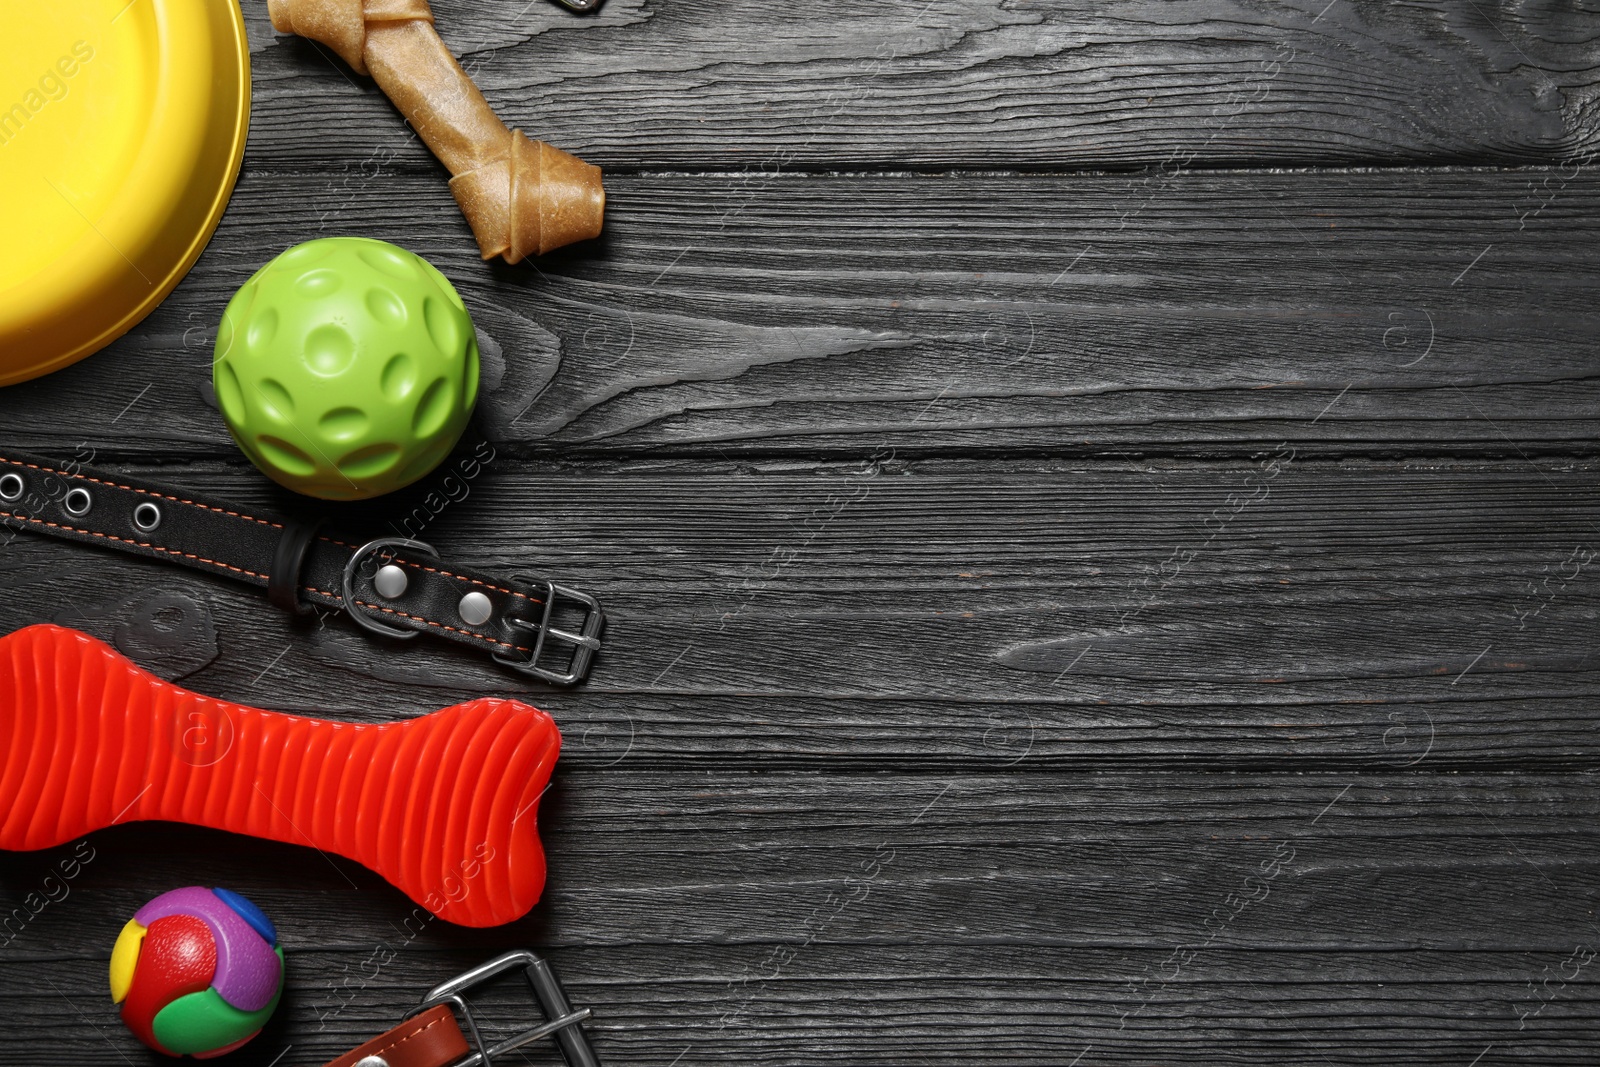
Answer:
(197, 971)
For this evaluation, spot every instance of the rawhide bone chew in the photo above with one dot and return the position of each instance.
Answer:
(521, 197)
(443, 806)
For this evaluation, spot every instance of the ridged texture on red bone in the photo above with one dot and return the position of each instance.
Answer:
(443, 806)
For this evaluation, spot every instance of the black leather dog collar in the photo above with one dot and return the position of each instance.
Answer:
(391, 586)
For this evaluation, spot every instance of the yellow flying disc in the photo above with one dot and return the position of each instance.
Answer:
(122, 123)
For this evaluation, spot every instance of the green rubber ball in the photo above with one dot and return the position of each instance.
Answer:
(346, 368)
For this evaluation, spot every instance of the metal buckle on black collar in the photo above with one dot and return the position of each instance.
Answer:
(561, 1020)
(585, 643)
(347, 590)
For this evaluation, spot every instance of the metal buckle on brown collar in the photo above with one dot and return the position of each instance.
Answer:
(561, 1021)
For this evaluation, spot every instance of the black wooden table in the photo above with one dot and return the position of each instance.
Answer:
(1096, 503)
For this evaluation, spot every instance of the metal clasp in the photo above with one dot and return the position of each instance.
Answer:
(585, 643)
(562, 1021)
(347, 588)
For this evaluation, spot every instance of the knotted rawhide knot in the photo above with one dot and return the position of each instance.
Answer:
(531, 200)
(342, 24)
(521, 197)
(339, 24)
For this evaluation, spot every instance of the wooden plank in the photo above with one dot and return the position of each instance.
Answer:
(1070, 604)
(941, 1005)
(1011, 916)
(1363, 313)
(812, 85)
(1128, 858)
(1299, 614)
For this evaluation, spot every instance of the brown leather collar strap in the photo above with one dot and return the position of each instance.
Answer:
(431, 1039)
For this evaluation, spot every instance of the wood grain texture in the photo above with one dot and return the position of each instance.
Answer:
(970, 582)
(799, 919)
(907, 695)
(1083, 588)
(813, 85)
(1353, 313)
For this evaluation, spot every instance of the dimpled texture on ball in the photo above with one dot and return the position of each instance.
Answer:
(346, 368)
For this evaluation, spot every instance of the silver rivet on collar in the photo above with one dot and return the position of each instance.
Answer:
(11, 486)
(372, 1061)
(78, 501)
(475, 609)
(391, 581)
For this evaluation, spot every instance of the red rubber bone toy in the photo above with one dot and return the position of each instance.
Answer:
(443, 806)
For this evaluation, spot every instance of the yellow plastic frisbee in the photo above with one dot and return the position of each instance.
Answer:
(122, 123)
